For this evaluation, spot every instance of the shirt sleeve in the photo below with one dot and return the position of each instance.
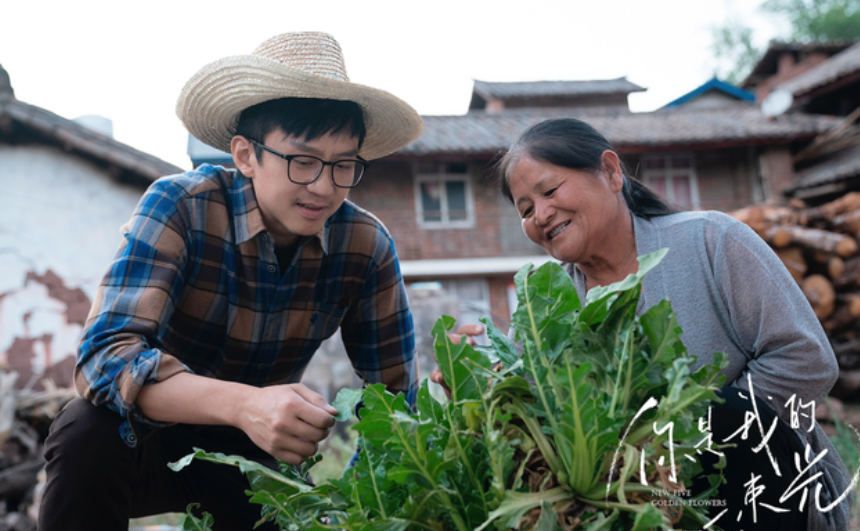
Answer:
(120, 350)
(790, 355)
(378, 330)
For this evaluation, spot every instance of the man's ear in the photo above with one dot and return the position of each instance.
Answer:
(244, 155)
(610, 164)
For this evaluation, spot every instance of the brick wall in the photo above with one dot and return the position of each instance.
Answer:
(777, 170)
(388, 192)
(787, 69)
(727, 179)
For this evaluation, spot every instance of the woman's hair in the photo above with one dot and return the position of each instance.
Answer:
(572, 143)
(307, 118)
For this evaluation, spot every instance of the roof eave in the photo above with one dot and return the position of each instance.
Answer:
(628, 148)
(73, 136)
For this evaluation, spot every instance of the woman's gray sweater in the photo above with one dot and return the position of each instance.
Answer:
(731, 293)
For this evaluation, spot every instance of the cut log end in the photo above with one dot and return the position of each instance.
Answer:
(846, 247)
(820, 294)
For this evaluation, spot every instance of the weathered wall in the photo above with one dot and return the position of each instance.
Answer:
(59, 228)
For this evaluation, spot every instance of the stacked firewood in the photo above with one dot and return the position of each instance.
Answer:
(25, 415)
(819, 247)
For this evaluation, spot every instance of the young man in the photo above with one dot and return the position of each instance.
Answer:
(224, 286)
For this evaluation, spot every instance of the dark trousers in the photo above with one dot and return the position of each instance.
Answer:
(97, 482)
(742, 463)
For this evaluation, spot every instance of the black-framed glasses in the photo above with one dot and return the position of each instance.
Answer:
(306, 169)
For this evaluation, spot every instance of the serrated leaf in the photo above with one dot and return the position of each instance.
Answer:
(548, 518)
(450, 359)
(345, 403)
(516, 504)
(504, 348)
(192, 523)
(650, 518)
(245, 466)
(603, 522)
(647, 262)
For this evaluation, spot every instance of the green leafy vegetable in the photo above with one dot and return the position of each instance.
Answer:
(345, 403)
(590, 417)
(192, 523)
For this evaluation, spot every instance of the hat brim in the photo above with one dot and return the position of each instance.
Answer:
(212, 100)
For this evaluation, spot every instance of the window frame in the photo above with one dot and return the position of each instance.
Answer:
(668, 173)
(442, 176)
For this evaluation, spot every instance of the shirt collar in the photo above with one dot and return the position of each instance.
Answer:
(247, 218)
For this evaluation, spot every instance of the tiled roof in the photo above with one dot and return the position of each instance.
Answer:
(840, 166)
(527, 89)
(840, 65)
(490, 133)
(713, 84)
(768, 64)
(76, 137)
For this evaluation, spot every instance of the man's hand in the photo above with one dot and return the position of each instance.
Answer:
(287, 421)
(471, 331)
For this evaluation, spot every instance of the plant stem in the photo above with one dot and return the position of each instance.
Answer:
(375, 486)
(581, 480)
(404, 442)
(628, 350)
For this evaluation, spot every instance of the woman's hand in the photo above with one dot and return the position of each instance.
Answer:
(471, 331)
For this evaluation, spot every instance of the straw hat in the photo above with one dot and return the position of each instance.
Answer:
(291, 65)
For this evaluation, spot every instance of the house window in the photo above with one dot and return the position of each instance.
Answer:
(443, 195)
(673, 177)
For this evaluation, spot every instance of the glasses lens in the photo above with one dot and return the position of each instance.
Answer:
(304, 170)
(347, 173)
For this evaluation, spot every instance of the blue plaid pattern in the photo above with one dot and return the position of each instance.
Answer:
(195, 286)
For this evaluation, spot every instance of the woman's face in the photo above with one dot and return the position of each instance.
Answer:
(573, 214)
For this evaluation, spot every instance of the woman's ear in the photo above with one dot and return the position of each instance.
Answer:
(610, 165)
(244, 155)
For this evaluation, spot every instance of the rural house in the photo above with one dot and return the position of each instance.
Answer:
(66, 191)
(711, 149)
(830, 165)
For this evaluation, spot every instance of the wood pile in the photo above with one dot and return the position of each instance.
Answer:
(25, 416)
(819, 247)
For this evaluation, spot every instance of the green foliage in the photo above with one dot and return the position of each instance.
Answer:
(819, 20)
(192, 523)
(561, 432)
(808, 21)
(733, 46)
(345, 403)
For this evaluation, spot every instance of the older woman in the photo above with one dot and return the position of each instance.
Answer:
(730, 293)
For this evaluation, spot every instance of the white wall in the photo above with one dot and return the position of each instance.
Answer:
(58, 213)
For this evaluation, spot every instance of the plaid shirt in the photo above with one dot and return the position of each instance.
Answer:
(196, 287)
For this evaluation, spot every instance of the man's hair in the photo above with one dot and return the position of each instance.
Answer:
(306, 118)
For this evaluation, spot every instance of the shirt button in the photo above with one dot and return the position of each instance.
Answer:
(265, 238)
(271, 269)
(261, 366)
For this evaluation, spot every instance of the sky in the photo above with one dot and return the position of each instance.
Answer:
(128, 61)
